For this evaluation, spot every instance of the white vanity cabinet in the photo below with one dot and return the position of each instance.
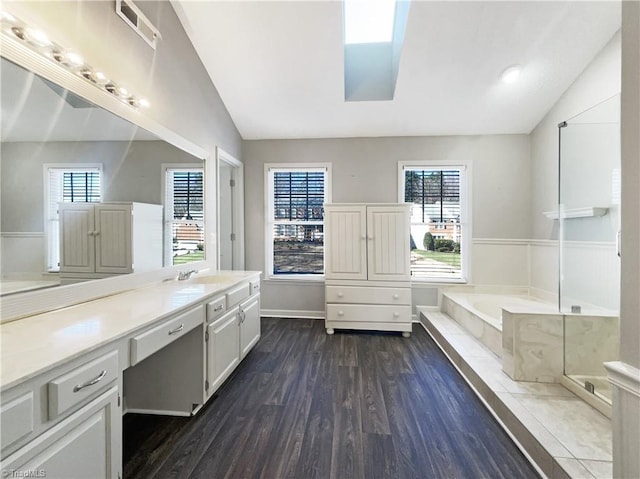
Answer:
(102, 239)
(62, 416)
(223, 353)
(66, 423)
(85, 444)
(368, 267)
(249, 324)
(233, 328)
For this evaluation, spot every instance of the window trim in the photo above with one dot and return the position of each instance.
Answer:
(46, 167)
(268, 215)
(166, 232)
(466, 194)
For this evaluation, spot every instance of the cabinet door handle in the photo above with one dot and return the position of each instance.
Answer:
(96, 380)
(177, 330)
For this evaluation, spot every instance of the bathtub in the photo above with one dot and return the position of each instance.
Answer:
(488, 307)
(481, 313)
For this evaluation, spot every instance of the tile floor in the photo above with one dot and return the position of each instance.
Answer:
(564, 436)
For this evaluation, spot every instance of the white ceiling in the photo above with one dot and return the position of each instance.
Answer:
(278, 66)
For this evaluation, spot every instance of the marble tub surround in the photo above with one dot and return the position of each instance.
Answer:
(560, 433)
(487, 330)
(36, 344)
(589, 342)
(479, 310)
(532, 346)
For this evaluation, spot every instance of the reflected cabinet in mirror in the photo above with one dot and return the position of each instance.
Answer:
(87, 195)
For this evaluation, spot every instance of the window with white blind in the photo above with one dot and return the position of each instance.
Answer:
(77, 184)
(439, 226)
(184, 215)
(295, 219)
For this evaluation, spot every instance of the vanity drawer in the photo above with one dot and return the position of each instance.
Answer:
(16, 419)
(369, 314)
(364, 295)
(147, 343)
(237, 294)
(82, 382)
(216, 308)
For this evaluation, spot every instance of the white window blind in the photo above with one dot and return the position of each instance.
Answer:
(438, 220)
(295, 230)
(184, 215)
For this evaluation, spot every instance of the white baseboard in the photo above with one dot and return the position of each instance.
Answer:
(291, 313)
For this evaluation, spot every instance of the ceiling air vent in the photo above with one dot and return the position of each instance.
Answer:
(131, 14)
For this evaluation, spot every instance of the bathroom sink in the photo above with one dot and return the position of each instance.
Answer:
(213, 279)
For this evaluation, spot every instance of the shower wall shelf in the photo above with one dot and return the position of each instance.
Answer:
(587, 212)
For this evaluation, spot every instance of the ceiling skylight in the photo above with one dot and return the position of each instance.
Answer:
(368, 21)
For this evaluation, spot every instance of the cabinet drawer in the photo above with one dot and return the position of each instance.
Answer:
(352, 294)
(237, 294)
(254, 287)
(147, 343)
(216, 308)
(16, 419)
(78, 384)
(369, 314)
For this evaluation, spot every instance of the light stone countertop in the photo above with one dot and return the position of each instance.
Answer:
(36, 344)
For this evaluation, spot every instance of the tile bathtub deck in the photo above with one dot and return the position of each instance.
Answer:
(562, 434)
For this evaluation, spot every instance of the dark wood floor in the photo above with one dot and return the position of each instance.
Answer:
(307, 405)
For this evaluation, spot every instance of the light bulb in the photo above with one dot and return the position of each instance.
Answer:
(74, 59)
(511, 74)
(38, 37)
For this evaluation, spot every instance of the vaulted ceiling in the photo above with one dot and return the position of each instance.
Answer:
(279, 66)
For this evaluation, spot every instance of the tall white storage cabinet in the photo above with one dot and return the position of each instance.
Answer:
(368, 267)
(98, 240)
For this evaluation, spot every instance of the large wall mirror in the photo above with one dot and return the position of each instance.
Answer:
(58, 147)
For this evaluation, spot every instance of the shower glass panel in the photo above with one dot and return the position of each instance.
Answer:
(589, 221)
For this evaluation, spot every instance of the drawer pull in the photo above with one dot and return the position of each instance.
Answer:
(340, 295)
(396, 296)
(396, 315)
(177, 330)
(218, 308)
(340, 313)
(96, 380)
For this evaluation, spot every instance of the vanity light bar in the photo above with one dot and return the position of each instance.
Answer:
(38, 41)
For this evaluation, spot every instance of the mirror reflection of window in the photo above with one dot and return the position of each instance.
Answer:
(67, 185)
(184, 215)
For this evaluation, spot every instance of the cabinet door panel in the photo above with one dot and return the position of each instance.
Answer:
(77, 245)
(345, 244)
(113, 239)
(223, 352)
(249, 325)
(388, 243)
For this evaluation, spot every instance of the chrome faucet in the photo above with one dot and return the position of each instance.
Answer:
(183, 275)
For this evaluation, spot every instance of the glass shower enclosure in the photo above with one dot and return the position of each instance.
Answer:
(589, 225)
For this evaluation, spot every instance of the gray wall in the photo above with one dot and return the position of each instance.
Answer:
(182, 96)
(599, 81)
(365, 170)
(132, 171)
